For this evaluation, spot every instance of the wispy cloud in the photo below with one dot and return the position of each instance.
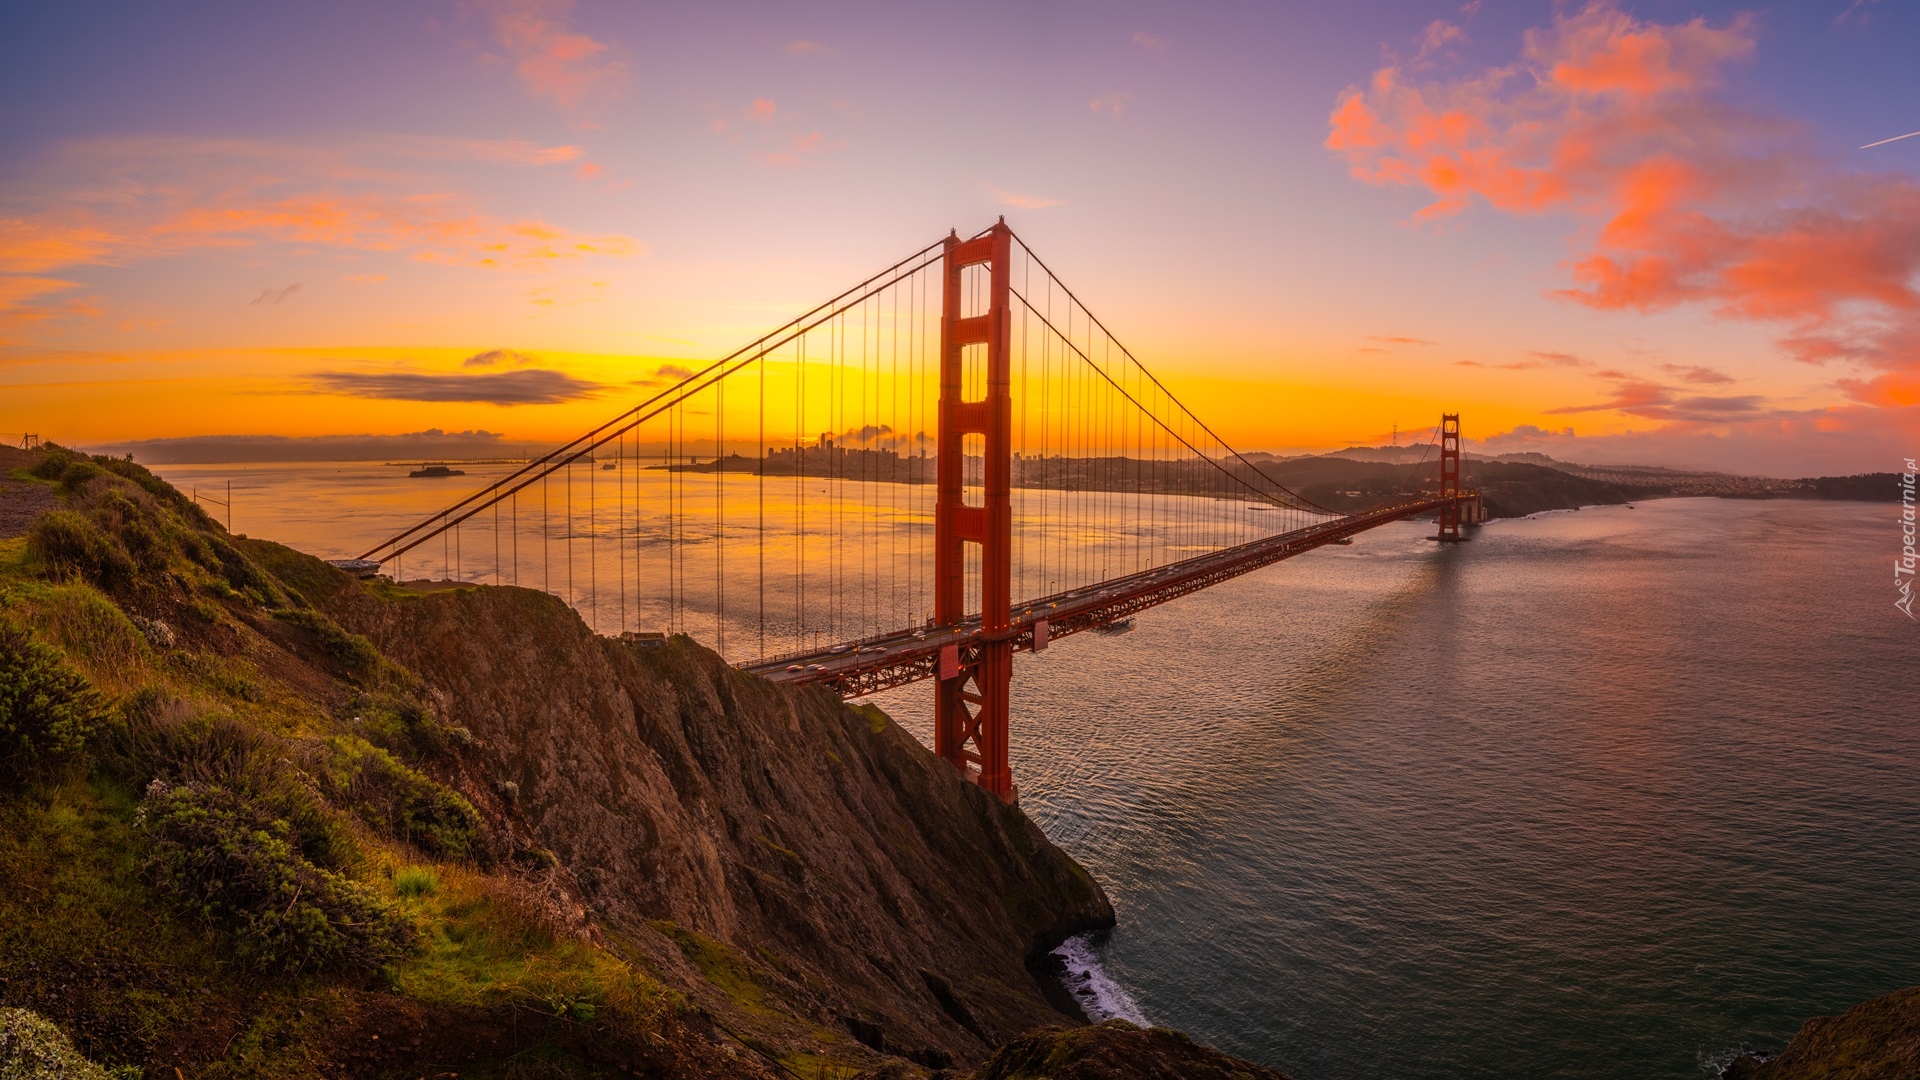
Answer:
(115, 202)
(1695, 374)
(272, 297)
(497, 357)
(803, 47)
(795, 151)
(1024, 202)
(534, 386)
(1110, 104)
(1386, 339)
(555, 62)
(1149, 42)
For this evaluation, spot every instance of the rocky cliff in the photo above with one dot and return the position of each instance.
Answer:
(260, 818)
(781, 854)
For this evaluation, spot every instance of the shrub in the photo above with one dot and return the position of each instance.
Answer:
(164, 736)
(70, 544)
(400, 801)
(48, 711)
(230, 861)
(55, 462)
(352, 651)
(33, 1046)
(416, 881)
(77, 473)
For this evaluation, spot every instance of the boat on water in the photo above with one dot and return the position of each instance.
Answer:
(1118, 626)
(432, 471)
(1345, 541)
(609, 467)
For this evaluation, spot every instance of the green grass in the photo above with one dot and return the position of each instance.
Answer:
(88, 940)
(416, 881)
(483, 946)
(83, 939)
(720, 964)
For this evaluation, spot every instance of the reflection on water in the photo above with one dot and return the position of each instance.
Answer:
(1599, 794)
(754, 566)
(1603, 794)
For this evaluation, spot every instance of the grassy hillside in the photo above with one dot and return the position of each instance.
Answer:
(224, 844)
(261, 819)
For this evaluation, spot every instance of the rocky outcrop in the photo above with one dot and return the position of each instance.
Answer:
(805, 868)
(1115, 1050)
(1875, 1040)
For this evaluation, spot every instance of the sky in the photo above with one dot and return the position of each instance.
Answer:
(1610, 232)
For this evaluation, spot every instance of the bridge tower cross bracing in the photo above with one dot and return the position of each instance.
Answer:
(970, 709)
(1450, 476)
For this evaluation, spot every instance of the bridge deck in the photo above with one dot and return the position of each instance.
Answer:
(857, 668)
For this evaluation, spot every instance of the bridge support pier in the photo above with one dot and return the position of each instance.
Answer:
(970, 709)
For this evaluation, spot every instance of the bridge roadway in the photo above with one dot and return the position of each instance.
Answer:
(858, 668)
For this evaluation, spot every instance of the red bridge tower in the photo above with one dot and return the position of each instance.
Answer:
(1450, 477)
(970, 712)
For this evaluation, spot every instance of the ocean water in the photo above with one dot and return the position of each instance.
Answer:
(1604, 794)
(1613, 793)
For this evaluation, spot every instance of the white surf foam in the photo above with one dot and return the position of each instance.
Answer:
(1088, 982)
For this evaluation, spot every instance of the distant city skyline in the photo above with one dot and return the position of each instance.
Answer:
(1661, 233)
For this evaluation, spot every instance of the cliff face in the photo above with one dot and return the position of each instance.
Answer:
(806, 869)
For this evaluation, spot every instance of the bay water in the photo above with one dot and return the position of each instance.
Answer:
(1614, 793)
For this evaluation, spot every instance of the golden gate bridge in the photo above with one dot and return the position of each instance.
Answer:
(949, 463)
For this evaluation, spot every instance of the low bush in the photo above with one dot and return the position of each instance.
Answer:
(70, 545)
(164, 736)
(48, 711)
(54, 462)
(230, 861)
(351, 651)
(400, 801)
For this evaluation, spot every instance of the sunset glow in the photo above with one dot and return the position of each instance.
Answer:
(1604, 232)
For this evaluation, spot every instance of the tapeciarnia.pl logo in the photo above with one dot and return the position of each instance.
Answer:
(1903, 566)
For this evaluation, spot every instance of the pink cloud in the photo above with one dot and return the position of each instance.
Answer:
(795, 151)
(1836, 441)
(1025, 202)
(555, 62)
(1680, 198)
(762, 109)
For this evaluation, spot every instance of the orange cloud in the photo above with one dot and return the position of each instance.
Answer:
(555, 62)
(1681, 197)
(120, 202)
(762, 109)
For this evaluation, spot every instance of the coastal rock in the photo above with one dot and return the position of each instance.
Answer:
(1875, 1040)
(798, 865)
(1115, 1050)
